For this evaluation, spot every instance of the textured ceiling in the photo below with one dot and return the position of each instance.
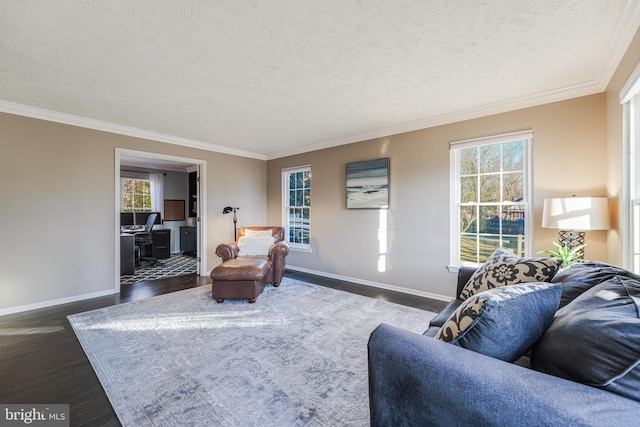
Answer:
(270, 78)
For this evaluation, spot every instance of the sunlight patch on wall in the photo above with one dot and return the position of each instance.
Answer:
(382, 241)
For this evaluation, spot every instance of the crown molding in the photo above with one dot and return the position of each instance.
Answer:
(70, 119)
(620, 43)
(563, 94)
(629, 25)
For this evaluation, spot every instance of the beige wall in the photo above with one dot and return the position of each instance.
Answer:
(568, 158)
(615, 155)
(57, 203)
(57, 197)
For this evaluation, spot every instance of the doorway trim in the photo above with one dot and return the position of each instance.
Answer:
(202, 203)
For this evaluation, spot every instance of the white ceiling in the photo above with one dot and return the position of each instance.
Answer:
(145, 162)
(272, 78)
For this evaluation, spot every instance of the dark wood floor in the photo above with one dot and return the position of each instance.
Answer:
(41, 361)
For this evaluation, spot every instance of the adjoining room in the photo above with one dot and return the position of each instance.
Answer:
(167, 187)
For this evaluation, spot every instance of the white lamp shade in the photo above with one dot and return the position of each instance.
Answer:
(576, 213)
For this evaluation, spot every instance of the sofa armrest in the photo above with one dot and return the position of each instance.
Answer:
(464, 274)
(228, 250)
(417, 380)
(277, 254)
(445, 313)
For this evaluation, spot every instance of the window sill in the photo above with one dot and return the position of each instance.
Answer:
(302, 249)
(456, 268)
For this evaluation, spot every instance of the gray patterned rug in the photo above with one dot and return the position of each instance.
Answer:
(296, 357)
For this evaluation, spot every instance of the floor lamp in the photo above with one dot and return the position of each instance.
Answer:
(227, 210)
(572, 216)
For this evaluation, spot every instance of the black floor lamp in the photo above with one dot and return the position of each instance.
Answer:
(227, 210)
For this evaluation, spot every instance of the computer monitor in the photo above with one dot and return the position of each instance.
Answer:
(137, 218)
(141, 218)
(126, 219)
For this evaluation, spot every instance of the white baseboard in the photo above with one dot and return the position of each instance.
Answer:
(50, 303)
(373, 284)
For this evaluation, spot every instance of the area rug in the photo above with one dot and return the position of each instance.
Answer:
(296, 357)
(176, 265)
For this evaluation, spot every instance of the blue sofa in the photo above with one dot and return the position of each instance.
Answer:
(416, 380)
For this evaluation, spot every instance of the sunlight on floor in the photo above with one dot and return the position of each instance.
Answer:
(40, 330)
(184, 321)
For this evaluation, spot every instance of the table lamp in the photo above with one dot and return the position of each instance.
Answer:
(572, 216)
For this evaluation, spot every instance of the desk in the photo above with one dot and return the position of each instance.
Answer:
(127, 254)
(188, 240)
(161, 246)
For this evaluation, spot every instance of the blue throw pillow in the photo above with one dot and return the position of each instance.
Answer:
(595, 339)
(581, 277)
(503, 322)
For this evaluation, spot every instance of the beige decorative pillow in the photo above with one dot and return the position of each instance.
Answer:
(255, 246)
(258, 233)
(504, 268)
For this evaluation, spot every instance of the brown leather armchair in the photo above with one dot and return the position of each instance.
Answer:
(275, 258)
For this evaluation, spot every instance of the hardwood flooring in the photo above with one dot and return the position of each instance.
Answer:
(41, 361)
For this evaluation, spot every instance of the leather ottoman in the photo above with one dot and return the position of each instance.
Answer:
(240, 278)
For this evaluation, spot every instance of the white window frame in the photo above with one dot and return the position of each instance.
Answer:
(122, 193)
(630, 200)
(527, 137)
(301, 247)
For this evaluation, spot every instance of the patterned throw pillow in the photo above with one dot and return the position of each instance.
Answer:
(505, 268)
(503, 322)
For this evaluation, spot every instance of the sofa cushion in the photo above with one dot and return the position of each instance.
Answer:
(503, 322)
(505, 268)
(254, 246)
(581, 277)
(595, 339)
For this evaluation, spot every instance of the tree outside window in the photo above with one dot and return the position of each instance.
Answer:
(490, 199)
(136, 195)
(297, 205)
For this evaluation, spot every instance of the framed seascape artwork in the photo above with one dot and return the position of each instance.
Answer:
(368, 184)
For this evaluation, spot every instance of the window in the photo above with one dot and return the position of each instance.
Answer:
(136, 195)
(634, 182)
(490, 201)
(630, 200)
(296, 204)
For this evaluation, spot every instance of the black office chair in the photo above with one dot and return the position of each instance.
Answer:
(143, 239)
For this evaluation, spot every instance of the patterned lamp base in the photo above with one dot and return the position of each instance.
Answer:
(572, 239)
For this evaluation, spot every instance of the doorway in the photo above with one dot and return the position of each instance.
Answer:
(133, 161)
